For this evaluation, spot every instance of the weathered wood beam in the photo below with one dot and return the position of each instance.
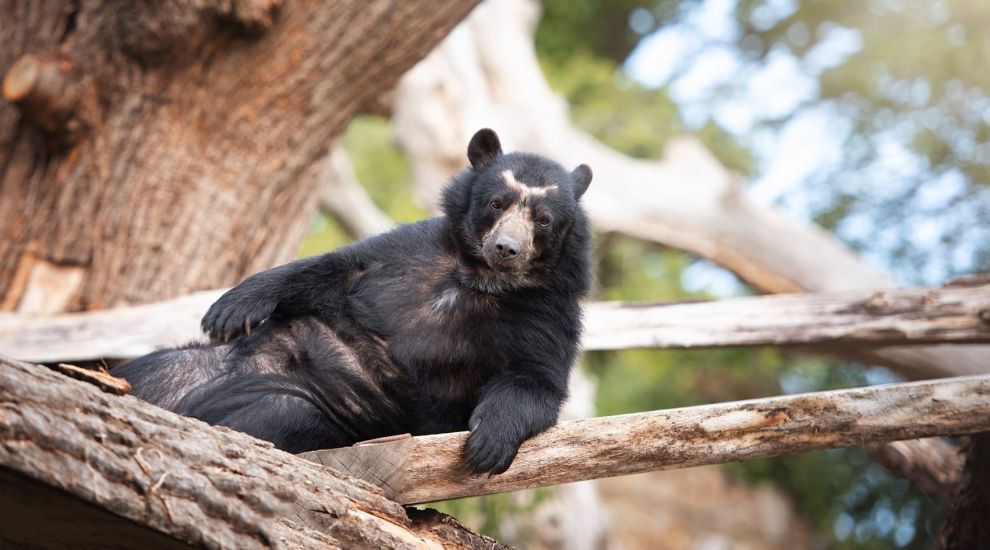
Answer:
(120, 459)
(429, 468)
(847, 320)
(856, 318)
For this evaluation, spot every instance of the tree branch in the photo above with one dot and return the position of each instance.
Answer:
(198, 484)
(429, 468)
(853, 319)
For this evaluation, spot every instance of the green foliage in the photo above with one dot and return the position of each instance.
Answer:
(487, 514)
(916, 65)
(628, 117)
(916, 83)
(604, 29)
(382, 168)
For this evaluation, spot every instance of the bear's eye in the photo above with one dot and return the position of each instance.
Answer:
(496, 205)
(545, 220)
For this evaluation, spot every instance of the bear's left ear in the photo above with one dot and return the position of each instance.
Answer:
(581, 176)
(484, 147)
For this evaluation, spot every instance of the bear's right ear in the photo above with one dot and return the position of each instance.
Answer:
(484, 147)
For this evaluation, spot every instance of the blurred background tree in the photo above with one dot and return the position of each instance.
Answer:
(870, 118)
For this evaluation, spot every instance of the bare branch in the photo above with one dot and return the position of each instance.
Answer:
(845, 321)
(428, 468)
(854, 318)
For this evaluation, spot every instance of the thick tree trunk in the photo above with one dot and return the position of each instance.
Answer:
(149, 149)
(123, 473)
(967, 527)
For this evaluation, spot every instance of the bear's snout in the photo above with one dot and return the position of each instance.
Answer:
(506, 247)
(509, 249)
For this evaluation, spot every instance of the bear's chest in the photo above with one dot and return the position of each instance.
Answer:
(451, 327)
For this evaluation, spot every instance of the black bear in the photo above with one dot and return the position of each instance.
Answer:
(469, 320)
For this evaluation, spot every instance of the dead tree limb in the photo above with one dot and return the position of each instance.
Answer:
(144, 470)
(844, 320)
(428, 468)
(852, 318)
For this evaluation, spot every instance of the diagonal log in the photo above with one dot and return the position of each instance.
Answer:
(852, 319)
(429, 468)
(115, 471)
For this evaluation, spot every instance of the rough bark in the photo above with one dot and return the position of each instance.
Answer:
(486, 74)
(149, 149)
(967, 526)
(428, 468)
(837, 322)
(128, 461)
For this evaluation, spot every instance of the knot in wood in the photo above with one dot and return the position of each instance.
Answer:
(877, 303)
(46, 92)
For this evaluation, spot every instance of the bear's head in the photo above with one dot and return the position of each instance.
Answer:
(516, 215)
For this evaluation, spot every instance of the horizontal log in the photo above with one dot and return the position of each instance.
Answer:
(110, 460)
(430, 468)
(918, 316)
(856, 318)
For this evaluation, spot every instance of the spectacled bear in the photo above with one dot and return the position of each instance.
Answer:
(469, 320)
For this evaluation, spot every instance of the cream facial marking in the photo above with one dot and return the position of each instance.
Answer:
(515, 219)
(524, 189)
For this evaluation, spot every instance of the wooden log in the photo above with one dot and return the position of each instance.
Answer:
(429, 468)
(846, 320)
(855, 318)
(147, 476)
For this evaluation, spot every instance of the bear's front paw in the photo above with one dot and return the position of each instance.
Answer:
(233, 315)
(490, 449)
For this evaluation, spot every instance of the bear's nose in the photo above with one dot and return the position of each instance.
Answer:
(507, 247)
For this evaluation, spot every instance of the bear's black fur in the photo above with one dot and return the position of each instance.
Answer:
(465, 321)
